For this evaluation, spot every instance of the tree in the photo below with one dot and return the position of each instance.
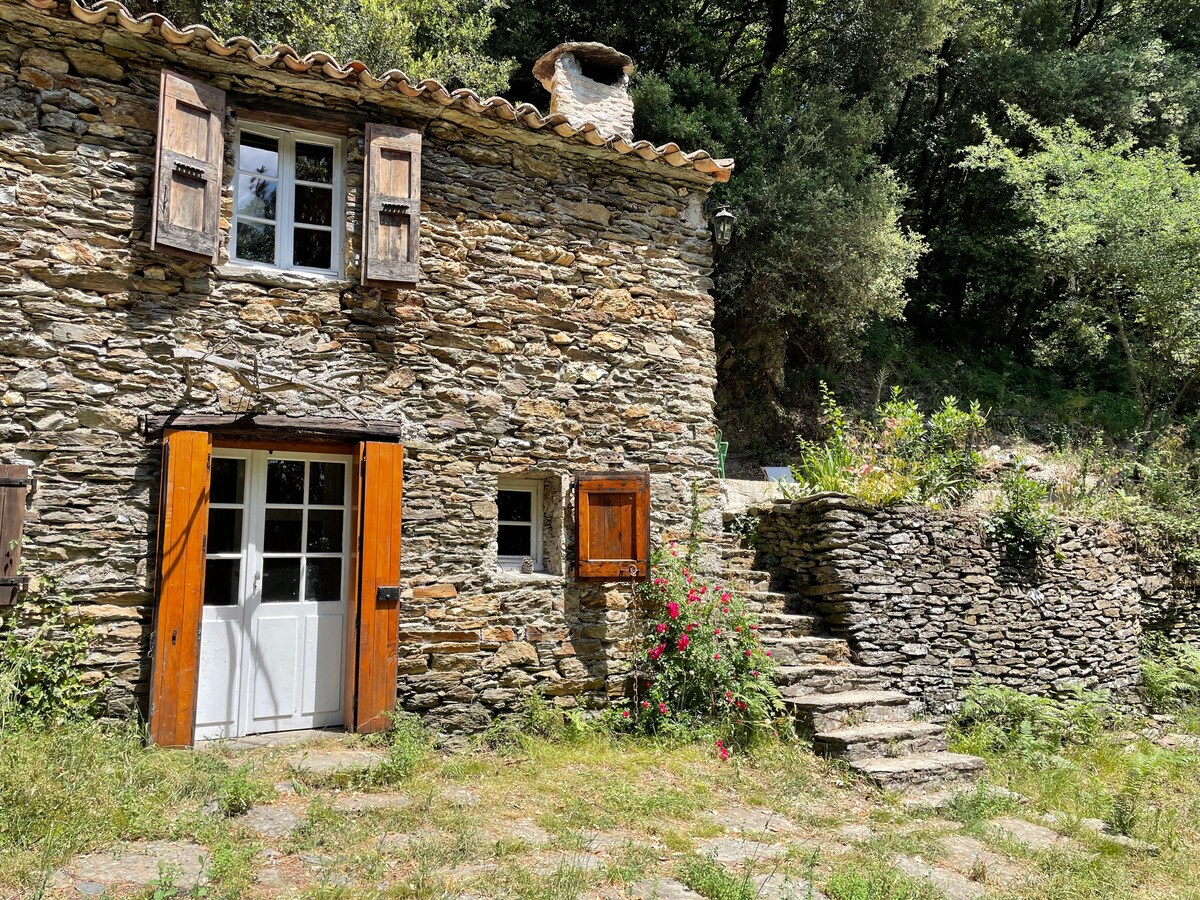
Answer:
(1116, 230)
(442, 39)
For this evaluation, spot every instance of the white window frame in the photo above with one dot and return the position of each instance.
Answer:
(285, 199)
(536, 512)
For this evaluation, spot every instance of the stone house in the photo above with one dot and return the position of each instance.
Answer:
(265, 319)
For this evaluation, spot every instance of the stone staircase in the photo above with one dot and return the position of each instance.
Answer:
(845, 708)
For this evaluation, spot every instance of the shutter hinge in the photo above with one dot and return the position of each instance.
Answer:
(29, 482)
(208, 463)
(204, 544)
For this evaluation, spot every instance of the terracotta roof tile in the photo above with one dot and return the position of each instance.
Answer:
(522, 115)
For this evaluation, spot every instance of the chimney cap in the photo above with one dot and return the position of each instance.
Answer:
(587, 52)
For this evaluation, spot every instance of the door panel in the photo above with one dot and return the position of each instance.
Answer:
(220, 656)
(323, 638)
(276, 664)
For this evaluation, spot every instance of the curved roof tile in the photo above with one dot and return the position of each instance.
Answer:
(522, 115)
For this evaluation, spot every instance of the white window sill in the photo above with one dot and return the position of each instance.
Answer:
(287, 278)
(510, 576)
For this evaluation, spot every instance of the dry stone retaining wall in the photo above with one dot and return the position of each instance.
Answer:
(928, 599)
(562, 323)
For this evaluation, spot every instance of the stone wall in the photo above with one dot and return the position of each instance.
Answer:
(1170, 599)
(562, 323)
(928, 599)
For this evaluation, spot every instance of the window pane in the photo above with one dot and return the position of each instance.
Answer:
(285, 481)
(259, 154)
(255, 242)
(224, 530)
(256, 196)
(515, 506)
(221, 577)
(516, 540)
(228, 480)
(327, 484)
(281, 580)
(314, 163)
(324, 531)
(323, 580)
(312, 249)
(314, 205)
(281, 533)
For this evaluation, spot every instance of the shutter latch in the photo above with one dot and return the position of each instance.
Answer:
(394, 209)
(189, 171)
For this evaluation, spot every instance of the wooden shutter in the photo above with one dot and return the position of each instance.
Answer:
(182, 529)
(392, 233)
(375, 620)
(187, 178)
(612, 525)
(15, 482)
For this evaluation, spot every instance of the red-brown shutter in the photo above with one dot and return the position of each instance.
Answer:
(375, 605)
(187, 178)
(392, 230)
(15, 482)
(182, 526)
(612, 525)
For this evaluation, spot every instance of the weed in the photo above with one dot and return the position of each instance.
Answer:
(875, 880)
(709, 879)
(1021, 523)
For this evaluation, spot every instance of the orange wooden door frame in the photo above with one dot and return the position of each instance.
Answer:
(372, 631)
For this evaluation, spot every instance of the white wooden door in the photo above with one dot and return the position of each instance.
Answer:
(272, 638)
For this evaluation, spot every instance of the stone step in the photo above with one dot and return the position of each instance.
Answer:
(772, 601)
(807, 651)
(749, 580)
(781, 625)
(881, 739)
(799, 681)
(901, 772)
(828, 712)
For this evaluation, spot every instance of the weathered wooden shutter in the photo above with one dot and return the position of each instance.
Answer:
(182, 529)
(392, 231)
(612, 525)
(15, 482)
(187, 179)
(374, 629)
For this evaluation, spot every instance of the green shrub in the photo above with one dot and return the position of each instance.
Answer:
(999, 719)
(1170, 675)
(42, 648)
(903, 456)
(876, 881)
(408, 744)
(702, 666)
(1021, 523)
(710, 879)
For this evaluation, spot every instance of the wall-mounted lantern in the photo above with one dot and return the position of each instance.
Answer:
(722, 225)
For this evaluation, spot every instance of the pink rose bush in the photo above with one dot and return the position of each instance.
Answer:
(702, 668)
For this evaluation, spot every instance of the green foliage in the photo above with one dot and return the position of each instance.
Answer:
(902, 457)
(1119, 226)
(42, 648)
(703, 669)
(876, 881)
(1170, 675)
(997, 719)
(710, 879)
(1021, 522)
(441, 39)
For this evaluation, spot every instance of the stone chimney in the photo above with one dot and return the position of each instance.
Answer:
(589, 83)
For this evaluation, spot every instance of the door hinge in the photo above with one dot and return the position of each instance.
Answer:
(204, 544)
(208, 463)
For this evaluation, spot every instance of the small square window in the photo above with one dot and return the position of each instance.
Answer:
(286, 207)
(519, 528)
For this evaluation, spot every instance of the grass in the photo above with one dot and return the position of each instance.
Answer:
(81, 788)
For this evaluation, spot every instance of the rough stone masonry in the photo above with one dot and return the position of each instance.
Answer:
(927, 598)
(562, 322)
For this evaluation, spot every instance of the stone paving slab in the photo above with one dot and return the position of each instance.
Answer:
(461, 796)
(552, 860)
(1100, 828)
(135, 864)
(739, 819)
(273, 821)
(662, 889)
(1036, 837)
(971, 857)
(734, 851)
(525, 830)
(952, 885)
(334, 760)
(359, 803)
(784, 887)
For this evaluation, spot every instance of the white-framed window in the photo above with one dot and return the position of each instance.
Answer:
(288, 200)
(519, 535)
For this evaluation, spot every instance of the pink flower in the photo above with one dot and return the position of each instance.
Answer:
(625, 715)
(748, 653)
(754, 628)
(716, 656)
(725, 609)
(728, 695)
(703, 588)
(673, 610)
(754, 674)
(768, 653)
(657, 651)
(660, 627)
(716, 631)
(662, 707)
(722, 752)
(726, 597)
(738, 629)
(645, 704)
(682, 643)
